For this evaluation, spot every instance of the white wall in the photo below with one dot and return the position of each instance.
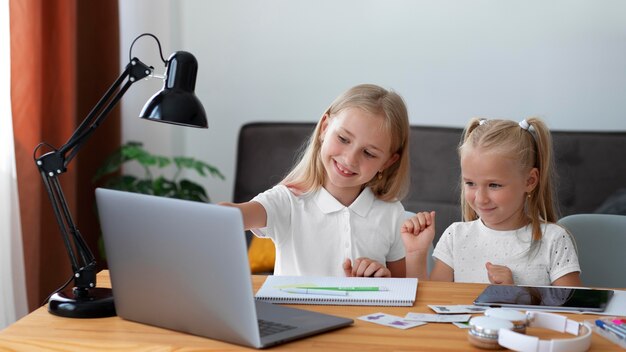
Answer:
(285, 60)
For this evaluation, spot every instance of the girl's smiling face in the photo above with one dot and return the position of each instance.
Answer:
(496, 188)
(355, 147)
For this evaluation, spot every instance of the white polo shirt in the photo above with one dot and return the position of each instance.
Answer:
(467, 246)
(314, 233)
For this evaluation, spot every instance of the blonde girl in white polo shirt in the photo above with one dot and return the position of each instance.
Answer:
(338, 211)
(509, 235)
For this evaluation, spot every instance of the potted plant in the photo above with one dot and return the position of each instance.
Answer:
(154, 182)
(151, 183)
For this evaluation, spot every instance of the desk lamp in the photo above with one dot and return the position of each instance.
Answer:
(176, 103)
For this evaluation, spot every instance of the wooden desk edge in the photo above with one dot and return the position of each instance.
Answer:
(41, 330)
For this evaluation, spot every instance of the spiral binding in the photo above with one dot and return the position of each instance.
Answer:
(337, 301)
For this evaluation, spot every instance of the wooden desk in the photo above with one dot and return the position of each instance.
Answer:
(41, 330)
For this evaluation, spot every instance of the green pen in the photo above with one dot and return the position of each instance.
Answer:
(347, 288)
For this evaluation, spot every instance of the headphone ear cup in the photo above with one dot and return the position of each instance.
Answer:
(484, 343)
(484, 331)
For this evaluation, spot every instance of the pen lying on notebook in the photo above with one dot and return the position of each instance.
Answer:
(347, 288)
(311, 291)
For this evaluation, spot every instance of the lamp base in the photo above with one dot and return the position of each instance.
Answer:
(92, 303)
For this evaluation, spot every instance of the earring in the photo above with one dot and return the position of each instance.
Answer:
(380, 175)
(528, 195)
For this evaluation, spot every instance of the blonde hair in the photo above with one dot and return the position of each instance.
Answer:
(309, 175)
(532, 148)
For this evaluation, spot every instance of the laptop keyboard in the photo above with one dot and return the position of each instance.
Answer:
(270, 327)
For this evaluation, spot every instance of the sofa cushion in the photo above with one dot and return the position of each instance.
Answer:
(261, 255)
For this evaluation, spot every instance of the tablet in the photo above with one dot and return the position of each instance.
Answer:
(545, 297)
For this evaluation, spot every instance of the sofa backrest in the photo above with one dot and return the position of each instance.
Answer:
(591, 166)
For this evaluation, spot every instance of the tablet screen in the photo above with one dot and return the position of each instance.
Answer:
(552, 297)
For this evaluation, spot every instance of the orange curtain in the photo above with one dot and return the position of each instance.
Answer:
(64, 56)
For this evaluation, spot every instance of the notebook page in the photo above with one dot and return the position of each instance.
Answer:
(394, 291)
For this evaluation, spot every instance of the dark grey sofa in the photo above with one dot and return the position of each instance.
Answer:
(591, 167)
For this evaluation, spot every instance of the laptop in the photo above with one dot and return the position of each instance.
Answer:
(183, 265)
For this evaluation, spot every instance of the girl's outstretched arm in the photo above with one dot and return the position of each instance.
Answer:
(253, 213)
(417, 234)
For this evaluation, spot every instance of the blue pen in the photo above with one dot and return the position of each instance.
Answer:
(315, 292)
(611, 328)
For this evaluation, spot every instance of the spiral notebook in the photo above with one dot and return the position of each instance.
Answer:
(360, 291)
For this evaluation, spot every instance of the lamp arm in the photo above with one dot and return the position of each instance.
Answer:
(54, 163)
(135, 70)
(81, 258)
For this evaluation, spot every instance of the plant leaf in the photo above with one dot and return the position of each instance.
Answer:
(183, 162)
(145, 187)
(122, 183)
(162, 161)
(165, 188)
(200, 166)
(132, 151)
(192, 191)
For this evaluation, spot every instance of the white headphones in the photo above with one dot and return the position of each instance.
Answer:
(498, 328)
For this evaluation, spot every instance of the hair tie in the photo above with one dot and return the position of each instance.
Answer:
(482, 122)
(524, 124)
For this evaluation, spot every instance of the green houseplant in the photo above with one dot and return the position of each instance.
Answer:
(151, 183)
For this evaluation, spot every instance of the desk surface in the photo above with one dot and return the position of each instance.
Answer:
(41, 330)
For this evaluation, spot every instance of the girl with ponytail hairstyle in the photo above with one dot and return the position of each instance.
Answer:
(508, 235)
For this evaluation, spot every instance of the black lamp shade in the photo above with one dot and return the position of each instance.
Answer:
(177, 103)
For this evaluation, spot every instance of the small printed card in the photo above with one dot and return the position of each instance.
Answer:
(438, 318)
(456, 309)
(391, 320)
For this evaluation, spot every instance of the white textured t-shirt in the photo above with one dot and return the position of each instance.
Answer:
(314, 233)
(467, 246)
